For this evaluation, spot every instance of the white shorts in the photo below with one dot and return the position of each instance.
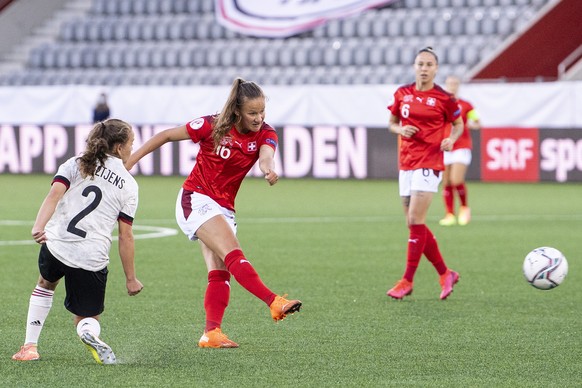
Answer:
(461, 156)
(194, 209)
(423, 179)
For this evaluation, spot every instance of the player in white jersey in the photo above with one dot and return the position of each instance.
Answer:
(89, 195)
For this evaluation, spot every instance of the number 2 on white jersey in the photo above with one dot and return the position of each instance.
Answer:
(72, 227)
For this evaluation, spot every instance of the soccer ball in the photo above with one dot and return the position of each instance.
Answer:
(545, 268)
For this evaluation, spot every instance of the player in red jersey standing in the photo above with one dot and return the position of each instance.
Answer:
(420, 113)
(230, 142)
(458, 160)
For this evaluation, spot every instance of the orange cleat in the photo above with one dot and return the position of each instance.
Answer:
(27, 352)
(449, 220)
(464, 215)
(216, 339)
(281, 307)
(448, 280)
(401, 289)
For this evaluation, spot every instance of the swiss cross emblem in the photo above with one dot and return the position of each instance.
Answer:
(252, 146)
(431, 101)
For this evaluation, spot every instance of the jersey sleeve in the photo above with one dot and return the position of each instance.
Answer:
(394, 105)
(452, 109)
(270, 138)
(199, 128)
(67, 172)
(129, 208)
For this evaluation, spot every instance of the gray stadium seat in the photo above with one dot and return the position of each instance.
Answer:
(138, 7)
(286, 55)
(35, 58)
(188, 29)
(66, 32)
(147, 29)
(330, 55)
(120, 31)
(473, 23)
(392, 54)
(175, 28)
(441, 24)
(165, 7)
(270, 57)
(348, 27)
(394, 27)
(333, 28)
(489, 25)
(152, 7)
(98, 7)
(207, 6)
(93, 31)
(193, 6)
(300, 56)
(102, 55)
(179, 6)
(124, 7)
(227, 57)
(83, 56)
(360, 55)
(79, 30)
(457, 24)
(379, 27)
(111, 7)
(157, 56)
(199, 56)
(364, 27)
(315, 54)
(161, 29)
(185, 57)
(48, 56)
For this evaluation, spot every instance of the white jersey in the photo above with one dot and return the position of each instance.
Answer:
(79, 233)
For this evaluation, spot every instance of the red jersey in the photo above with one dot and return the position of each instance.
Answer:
(430, 111)
(219, 172)
(464, 141)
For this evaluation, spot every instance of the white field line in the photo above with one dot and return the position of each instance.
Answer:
(152, 232)
(159, 231)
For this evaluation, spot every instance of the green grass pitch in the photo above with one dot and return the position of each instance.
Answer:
(337, 246)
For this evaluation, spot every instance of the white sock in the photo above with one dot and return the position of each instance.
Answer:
(39, 307)
(89, 324)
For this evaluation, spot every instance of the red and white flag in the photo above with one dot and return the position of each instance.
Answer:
(283, 18)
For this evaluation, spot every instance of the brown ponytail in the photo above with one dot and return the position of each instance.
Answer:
(101, 142)
(240, 91)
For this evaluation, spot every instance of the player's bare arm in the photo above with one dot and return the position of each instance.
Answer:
(447, 143)
(267, 164)
(155, 142)
(46, 211)
(127, 255)
(403, 130)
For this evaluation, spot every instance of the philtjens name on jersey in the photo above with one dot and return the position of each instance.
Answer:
(109, 176)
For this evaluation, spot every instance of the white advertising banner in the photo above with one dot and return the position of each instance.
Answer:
(548, 105)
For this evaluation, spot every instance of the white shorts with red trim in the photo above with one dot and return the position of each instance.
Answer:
(461, 156)
(423, 179)
(194, 209)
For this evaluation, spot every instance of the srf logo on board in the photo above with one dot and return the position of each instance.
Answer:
(510, 154)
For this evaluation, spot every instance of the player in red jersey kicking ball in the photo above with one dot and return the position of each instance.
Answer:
(230, 144)
(420, 113)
